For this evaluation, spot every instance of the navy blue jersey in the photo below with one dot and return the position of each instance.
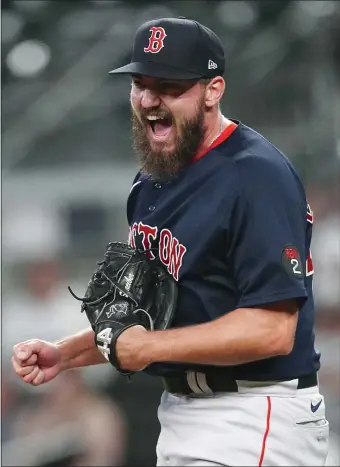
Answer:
(234, 229)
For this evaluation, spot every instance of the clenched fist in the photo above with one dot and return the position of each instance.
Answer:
(36, 361)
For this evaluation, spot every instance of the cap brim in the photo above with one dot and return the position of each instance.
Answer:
(155, 70)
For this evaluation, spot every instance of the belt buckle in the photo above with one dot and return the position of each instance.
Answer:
(197, 382)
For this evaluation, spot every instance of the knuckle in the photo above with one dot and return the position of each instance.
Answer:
(24, 371)
(16, 348)
(29, 345)
(15, 365)
(32, 359)
(36, 379)
(28, 377)
(18, 372)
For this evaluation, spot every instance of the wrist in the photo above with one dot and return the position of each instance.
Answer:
(144, 349)
(150, 347)
(64, 361)
(78, 350)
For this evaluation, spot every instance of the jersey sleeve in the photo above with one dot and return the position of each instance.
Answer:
(267, 229)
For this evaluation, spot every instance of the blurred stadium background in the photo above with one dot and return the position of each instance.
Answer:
(67, 166)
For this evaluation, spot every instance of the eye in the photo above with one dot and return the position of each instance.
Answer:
(170, 87)
(137, 84)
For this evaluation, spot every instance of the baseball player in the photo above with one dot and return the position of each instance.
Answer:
(226, 213)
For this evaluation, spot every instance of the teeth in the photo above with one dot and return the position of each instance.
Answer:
(153, 117)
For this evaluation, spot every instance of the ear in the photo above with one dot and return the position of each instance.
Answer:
(214, 91)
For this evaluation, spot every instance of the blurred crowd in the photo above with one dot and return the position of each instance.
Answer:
(67, 169)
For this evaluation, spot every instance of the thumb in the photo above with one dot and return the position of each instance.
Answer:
(23, 354)
(25, 350)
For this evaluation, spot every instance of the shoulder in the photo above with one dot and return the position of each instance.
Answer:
(262, 173)
(251, 152)
(260, 162)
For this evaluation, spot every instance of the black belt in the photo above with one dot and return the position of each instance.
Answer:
(197, 383)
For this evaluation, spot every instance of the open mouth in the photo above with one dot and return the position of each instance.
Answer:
(160, 126)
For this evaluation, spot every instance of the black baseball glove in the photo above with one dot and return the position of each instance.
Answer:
(127, 289)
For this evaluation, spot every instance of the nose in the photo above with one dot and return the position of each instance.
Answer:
(150, 98)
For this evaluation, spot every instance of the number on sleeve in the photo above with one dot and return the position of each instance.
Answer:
(295, 264)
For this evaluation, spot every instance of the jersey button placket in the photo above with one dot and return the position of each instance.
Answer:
(157, 186)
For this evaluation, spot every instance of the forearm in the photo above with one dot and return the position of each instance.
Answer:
(230, 340)
(79, 350)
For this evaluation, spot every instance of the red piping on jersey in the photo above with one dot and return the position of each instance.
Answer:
(222, 137)
(263, 450)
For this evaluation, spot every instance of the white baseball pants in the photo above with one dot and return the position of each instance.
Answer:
(261, 425)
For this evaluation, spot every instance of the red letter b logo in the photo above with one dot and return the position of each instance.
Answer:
(156, 40)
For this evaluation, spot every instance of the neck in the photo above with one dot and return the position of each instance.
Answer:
(213, 131)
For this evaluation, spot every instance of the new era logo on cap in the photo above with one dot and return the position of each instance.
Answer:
(212, 65)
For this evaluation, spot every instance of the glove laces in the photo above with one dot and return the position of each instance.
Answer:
(98, 276)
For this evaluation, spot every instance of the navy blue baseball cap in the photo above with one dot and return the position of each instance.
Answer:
(175, 48)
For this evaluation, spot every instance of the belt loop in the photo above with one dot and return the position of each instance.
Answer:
(197, 382)
(201, 379)
(191, 380)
